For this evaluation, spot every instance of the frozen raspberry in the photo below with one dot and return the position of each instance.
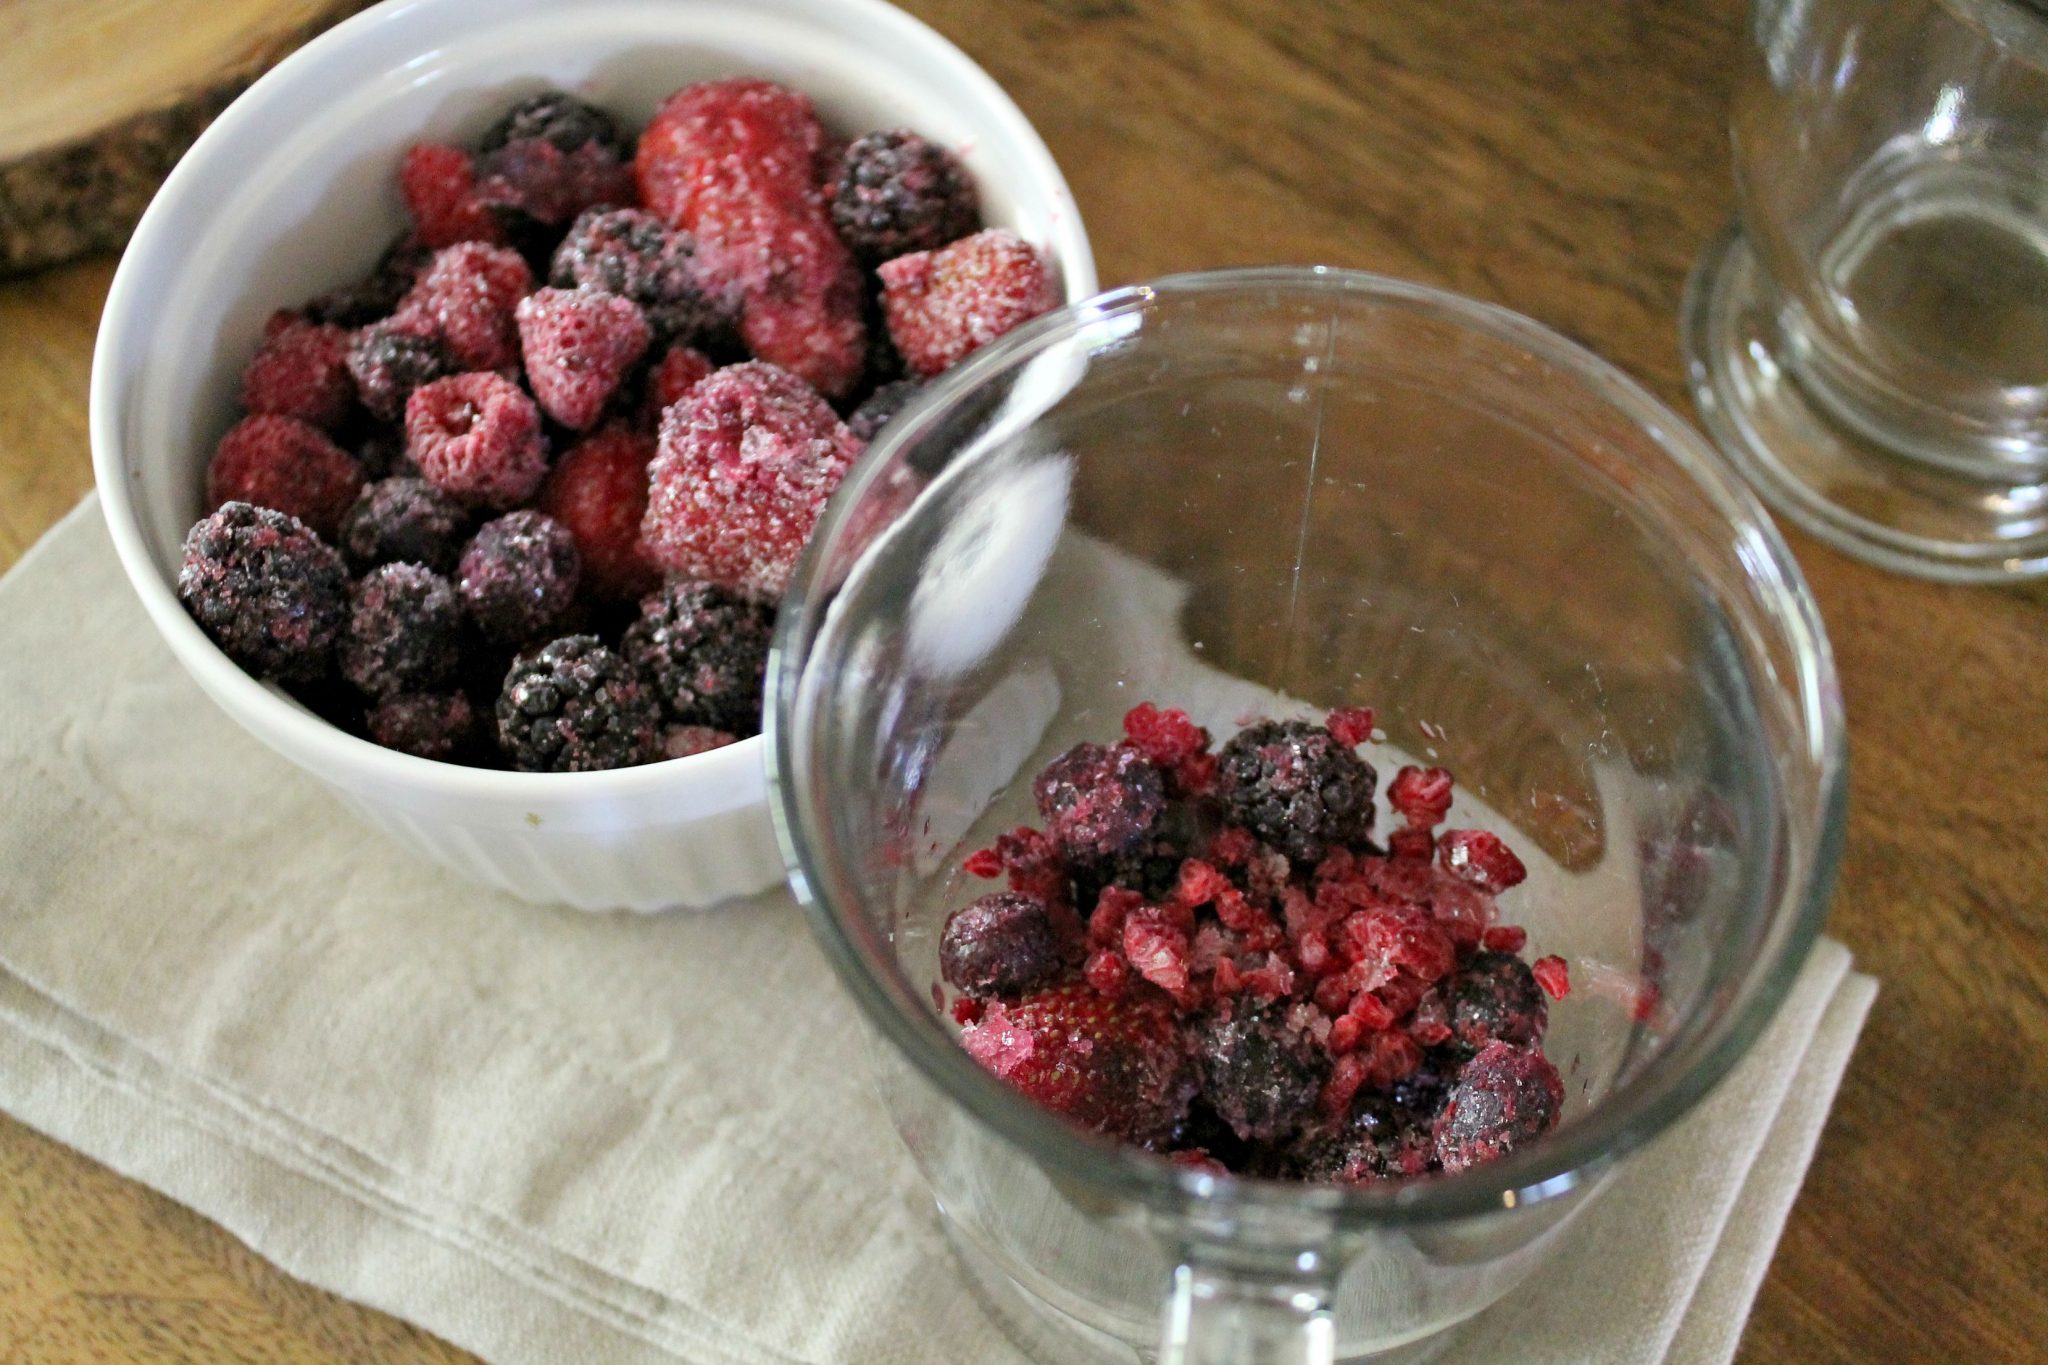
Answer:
(439, 184)
(478, 438)
(1177, 746)
(678, 371)
(376, 295)
(1296, 787)
(387, 364)
(746, 462)
(599, 491)
(404, 631)
(300, 370)
(440, 725)
(404, 519)
(880, 407)
(518, 577)
(704, 651)
(687, 741)
(1481, 859)
(267, 590)
(1506, 938)
(284, 464)
(559, 118)
(1002, 944)
(943, 305)
(1099, 803)
(1260, 1075)
(1114, 1066)
(576, 707)
(1553, 976)
(898, 193)
(631, 253)
(578, 345)
(1493, 998)
(466, 297)
(1505, 1098)
(1421, 796)
(736, 163)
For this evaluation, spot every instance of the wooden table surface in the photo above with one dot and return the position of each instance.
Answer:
(1566, 160)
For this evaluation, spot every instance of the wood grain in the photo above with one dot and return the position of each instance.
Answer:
(1567, 161)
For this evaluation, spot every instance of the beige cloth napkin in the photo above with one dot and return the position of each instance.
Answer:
(549, 1136)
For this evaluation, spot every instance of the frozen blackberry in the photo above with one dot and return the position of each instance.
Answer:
(898, 193)
(1296, 787)
(518, 577)
(404, 631)
(387, 364)
(1381, 1138)
(576, 707)
(404, 519)
(878, 407)
(1002, 944)
(704, 651)
(269, 592)
(632, 253)
(1493, 997)
(1099, 803)
(440, 725)
(1504, 1098)
(557, 117)
(1260, 1076)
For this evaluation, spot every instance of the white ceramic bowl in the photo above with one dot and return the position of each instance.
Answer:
(292, 191)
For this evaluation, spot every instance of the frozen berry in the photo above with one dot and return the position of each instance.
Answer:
(681, 369)
(1296, 787)
(1114, 1066)
(518, 577)
(736, 163)
(266, 589)
(745, 464)
(578, 345)
(576, 706)
(1494, 998)
(1258, 1073)
(943, 305)
(1505, 1098)
(1480, 858)
(286, 465)
(404, 519)
(687, 741)
(1002, 944)
(1552, 975)
(535, 179)
(632, 253)
(404, 631)
(879, 407)
(1421, 796)
(439, 725)
(1099, 803)
(704, 651)
(559, 118)
(478, 438)
(387, 364)
(1385, 1135)
(377, 294)
(300, 370)
(898, 193)
(466, 297)
(598, 490)
(439, 184)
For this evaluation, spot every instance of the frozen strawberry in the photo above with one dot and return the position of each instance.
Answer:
(745, 464)
(1115, 1066)
(477, 437)
(578, 345)
(943, 305)
(284, 464)
(439, 184)
(599, 491)
(675, 374)
(466, 297)
(300, 370)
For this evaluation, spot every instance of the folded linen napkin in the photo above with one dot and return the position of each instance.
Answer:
(549, 1136)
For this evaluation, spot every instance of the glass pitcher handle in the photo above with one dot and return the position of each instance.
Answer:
(1219, 1314)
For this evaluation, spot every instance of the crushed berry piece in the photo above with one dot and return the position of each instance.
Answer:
(437, 725)
(1114, 1066)
(578, 345)
(1107, 972)
(1156, 948)
(1099, 803)
(1504, 1098)
(284, 464)
(745, 464)
(985, 863)
(1412, 845)
(300, 370)
(704, 651)
(1002, 944)
(387, 364)
(632, 253)
(376, 295)
(404, 631)
(1553, 975)
(558, 118)
(1480, 858)
(1506, 938)
(1260, 1074)
(1350, 725)
(1493, 997)
(439, 184)
(879, 408)
(404, 519)
(1296, 787)
(687, 741)
(943, 305)
(1421, 796)
(266, 589)
(599, 491)
(478, 438)
(518, 577)
(680, 369)
(575, 707)
(466, 297)
(897, 193)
